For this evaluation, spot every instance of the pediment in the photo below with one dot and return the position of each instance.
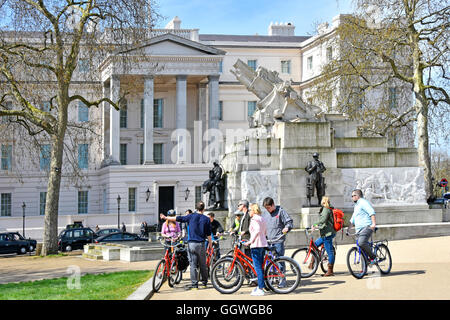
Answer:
(170, 44)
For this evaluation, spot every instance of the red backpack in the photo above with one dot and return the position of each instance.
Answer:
(338, 219)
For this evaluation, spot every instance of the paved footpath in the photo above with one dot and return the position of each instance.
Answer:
(420, 270)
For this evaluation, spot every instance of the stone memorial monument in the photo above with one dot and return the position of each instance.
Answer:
(285, 132)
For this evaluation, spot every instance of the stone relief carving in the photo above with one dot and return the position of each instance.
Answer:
(256, 185)
(387, 186)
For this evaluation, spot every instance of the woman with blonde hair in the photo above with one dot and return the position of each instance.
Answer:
(327, 232)
(257, 243)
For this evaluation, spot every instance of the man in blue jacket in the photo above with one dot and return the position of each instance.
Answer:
(199, 230)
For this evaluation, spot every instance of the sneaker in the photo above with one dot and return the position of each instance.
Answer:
(203, 286)
(257, 292)
(191, 287)
(373, 262)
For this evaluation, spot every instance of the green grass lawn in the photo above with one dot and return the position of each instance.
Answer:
(109, 286)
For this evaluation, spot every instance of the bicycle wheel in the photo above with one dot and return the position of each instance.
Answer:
(175, 274)
(160, 275)
(308, 263)
(356, 263)
(324, 259)
(282, 275)
(227, 276)
(384, 263)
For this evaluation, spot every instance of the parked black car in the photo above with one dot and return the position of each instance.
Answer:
(104, 232)
(119, 237)
(13, 242)
(75, 238)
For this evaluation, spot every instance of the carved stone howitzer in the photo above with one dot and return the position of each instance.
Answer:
(278, 100)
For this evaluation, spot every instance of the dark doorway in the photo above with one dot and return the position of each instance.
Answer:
(165, 202)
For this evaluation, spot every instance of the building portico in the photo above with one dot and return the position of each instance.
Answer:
(175, 70)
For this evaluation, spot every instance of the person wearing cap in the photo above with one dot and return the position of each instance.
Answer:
(171, 230)
(199, 231)
(237, 222)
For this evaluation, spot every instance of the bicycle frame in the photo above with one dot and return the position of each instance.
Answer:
(247, 262)
(312, 246)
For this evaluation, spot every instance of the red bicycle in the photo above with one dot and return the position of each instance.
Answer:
(308, 258)
(281, 274)
(170, 266)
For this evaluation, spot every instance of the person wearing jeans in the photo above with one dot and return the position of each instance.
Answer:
(257, 243)
(327, 233)
(279, 223)
(363, 219)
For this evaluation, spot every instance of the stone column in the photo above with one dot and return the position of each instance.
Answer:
(114, 122)
(181, 118)
(105, 122)
(201, 124)
(148, 120)
(213, 91)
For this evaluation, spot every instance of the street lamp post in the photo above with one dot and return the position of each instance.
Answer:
(118, 211)
(23, 219)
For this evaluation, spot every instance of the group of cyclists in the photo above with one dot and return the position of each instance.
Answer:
(197, 227)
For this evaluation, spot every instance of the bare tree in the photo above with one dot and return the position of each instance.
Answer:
(387, 48)
(41, 45)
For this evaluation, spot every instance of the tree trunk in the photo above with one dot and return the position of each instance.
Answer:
(422, 139)
(50, 245)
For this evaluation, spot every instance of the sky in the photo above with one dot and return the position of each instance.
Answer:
(250, 17)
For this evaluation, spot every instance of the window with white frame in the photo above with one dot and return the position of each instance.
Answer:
(158, 156)
(5, 205)
(309, 62)
(6, 154)
(83, 112)
(286, 66)
(393, 97)
(329, 54)
(252, 64)
(83, 202)
(42, 200)
(44, 157)
(131, 199)
(124, 115)
(158, 108)
(198, 194)
(221, 110)
(251, 107)
(83, 65)
(123, 153)
(83, 156)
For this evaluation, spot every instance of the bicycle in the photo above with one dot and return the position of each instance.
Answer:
(309, 257)
(358, 261)
(281, 274)
(168, 267)
(211, 255)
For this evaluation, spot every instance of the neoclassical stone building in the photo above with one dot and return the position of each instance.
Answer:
(155, 153)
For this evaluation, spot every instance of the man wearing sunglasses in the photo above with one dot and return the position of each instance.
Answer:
(363, 219)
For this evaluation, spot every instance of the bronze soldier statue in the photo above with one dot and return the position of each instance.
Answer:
(315, 180)
(215, 186)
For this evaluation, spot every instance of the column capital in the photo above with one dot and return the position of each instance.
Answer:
(149, 77)
(213, 77)
(181, 77)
